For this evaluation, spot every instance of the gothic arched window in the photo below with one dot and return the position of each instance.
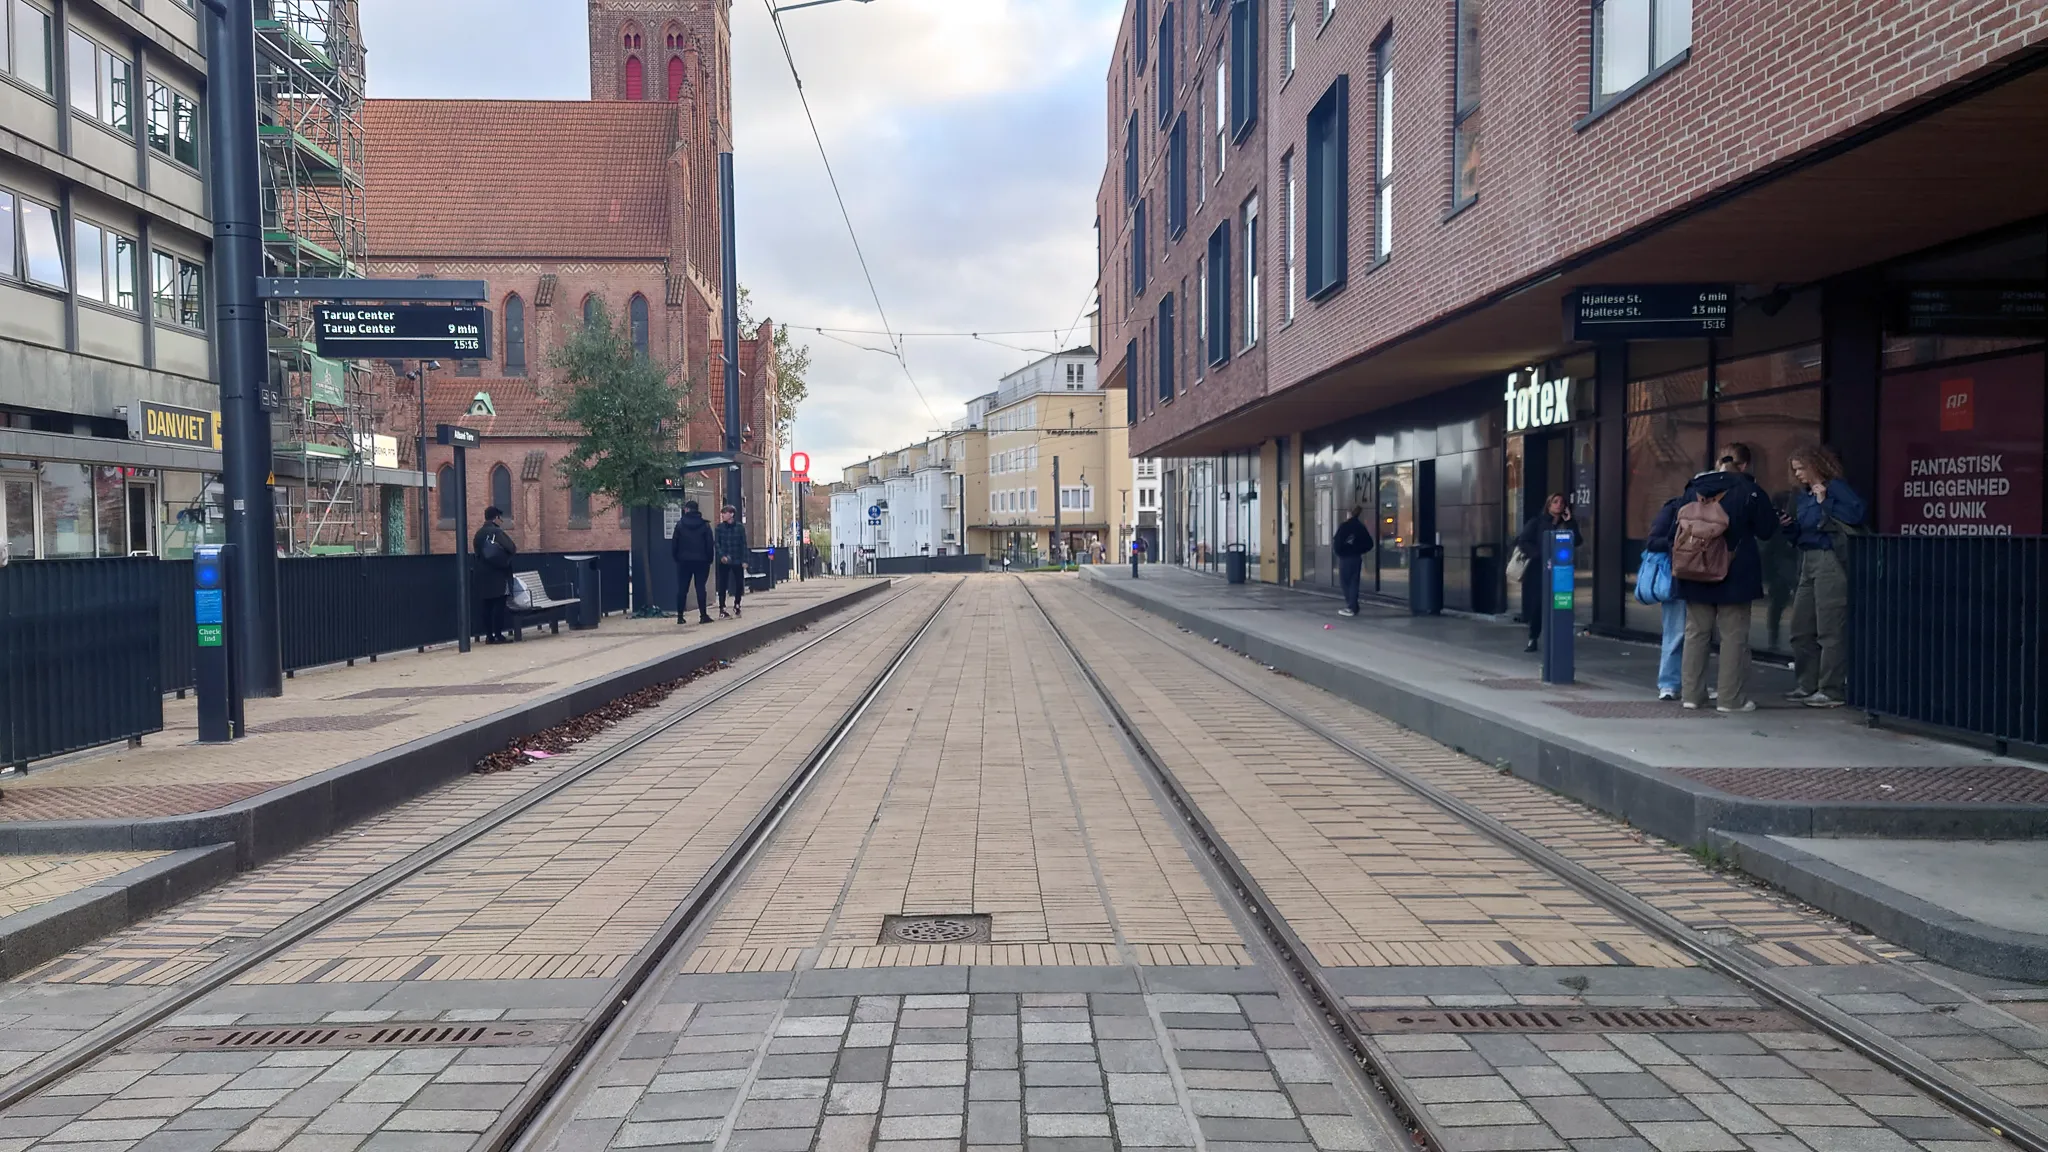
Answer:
(515, 335)
(501, 490)
(444, 490)
(635, 80)
(592, 305)
(637, 311)
(675, 78)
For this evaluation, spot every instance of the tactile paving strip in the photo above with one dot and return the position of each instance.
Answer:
(1965, 784)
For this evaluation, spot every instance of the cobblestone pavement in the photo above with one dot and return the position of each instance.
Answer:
(26, 881)
(1117, 1002)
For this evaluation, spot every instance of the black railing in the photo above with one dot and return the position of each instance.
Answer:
(336, 608)
(1951, 631)
(81, 659)
(180, 631)
(915, 565)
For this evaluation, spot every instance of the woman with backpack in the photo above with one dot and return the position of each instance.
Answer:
(1530, 541)
(1718, 571)
(1825, 511)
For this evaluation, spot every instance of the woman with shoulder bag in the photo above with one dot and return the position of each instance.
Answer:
(1556, 514)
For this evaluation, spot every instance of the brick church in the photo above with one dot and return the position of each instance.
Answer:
(559, 205)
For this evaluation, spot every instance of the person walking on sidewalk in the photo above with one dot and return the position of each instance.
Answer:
(1671, 649)
(1533, 541)
(1350, 545)
(691, 546)
(494, 551)
(1824, 511)
(1717, 569)
(729, 546)
(1137, 554)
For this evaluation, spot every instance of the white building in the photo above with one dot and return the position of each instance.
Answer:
(849, 522)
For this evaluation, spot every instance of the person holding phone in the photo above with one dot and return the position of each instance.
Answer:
(1532, 540)
(1825, 511)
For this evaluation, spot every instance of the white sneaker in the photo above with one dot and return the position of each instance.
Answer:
(1823, 700)
(1667, 695)
(1799, 694)
(1346, 612)
(1713, 693)
(1747, 706)
(1691, 705)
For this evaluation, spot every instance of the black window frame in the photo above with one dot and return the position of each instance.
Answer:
(1244, 68)
(1165, 349)
(578, 498)
(1383, 173)
(1131, 382)
(503, 503)
(1217, 306)
(1139, 249)
(1466, 17)
(1166, 78)
(444, 496)
(1140, 18)
(638, 323)
(515, 335)
(1177, 178)
(1131, 162)
(1326, 186)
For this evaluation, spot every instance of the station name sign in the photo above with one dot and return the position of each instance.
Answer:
(1651, 311)
(167, 424)
(402, 332)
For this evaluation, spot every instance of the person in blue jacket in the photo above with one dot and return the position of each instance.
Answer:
(1825, 509)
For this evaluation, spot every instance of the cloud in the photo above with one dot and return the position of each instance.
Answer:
(968, 139)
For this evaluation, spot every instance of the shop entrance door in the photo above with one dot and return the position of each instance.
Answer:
(1394, 531)
(1326, 530)
(141, 518)
(18, 516)
(1561, 460)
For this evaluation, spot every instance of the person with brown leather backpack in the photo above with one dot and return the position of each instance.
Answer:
(1718, 571)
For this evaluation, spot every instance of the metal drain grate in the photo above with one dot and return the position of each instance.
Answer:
(499, 688)
(969, 928)
(496, 1034)
(1576, 1020)
(340, 723)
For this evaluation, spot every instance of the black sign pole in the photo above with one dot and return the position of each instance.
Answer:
(461, 548)
(729, 286)
(239, 325)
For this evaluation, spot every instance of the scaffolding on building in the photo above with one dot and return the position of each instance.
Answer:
(309, 90)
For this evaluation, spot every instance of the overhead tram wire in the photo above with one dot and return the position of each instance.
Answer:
(803, 99)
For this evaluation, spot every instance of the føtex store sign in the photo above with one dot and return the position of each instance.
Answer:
(1960, 450)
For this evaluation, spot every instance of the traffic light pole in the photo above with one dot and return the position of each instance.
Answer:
(240, 337)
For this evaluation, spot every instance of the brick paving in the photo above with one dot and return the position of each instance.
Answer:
(1986, 784)
(989, 783)
(26, 881)
(356, 711)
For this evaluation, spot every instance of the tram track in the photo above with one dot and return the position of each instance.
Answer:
(125, 1027)
(2002, 1120)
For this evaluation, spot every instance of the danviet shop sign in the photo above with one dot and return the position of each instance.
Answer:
(168, 424)
(1537, 401)
(1960, 450)
(402, 332)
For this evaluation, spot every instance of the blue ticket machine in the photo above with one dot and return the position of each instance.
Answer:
(1561, 566)
(216, 669)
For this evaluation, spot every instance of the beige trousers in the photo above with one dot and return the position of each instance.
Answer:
(1702, 621)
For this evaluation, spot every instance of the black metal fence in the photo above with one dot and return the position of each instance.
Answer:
(1952, 631)
(336, 608)
(80, 655)
(916, 565)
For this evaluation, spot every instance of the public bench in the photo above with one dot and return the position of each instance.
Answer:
(541, 609)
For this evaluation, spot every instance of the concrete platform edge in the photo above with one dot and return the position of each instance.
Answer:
(54, 927)
(268, 825)
(1669, 806)
(1935, 932)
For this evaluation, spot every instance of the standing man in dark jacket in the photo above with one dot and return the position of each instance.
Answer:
(691, 546)
(1723, 606)
(494, 552)
(729, 548)
(1350, 545)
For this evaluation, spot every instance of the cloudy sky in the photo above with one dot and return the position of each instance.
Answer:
(968, 139)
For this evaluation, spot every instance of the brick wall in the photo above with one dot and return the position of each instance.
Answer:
(1764, 83)
(539, 520)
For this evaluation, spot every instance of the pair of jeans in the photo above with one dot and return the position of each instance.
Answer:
(733, 577)
(686, 575)
(1820, 623)
(1670, 673)
(1702, 623)
(1350, 570)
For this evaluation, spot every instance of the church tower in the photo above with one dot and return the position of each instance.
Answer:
(660, 50)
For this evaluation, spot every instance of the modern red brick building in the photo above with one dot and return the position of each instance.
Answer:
(1406, 195)
(558, 206)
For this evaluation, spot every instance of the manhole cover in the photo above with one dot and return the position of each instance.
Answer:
(970, 928)
(1576, 1020)
(496, 1034)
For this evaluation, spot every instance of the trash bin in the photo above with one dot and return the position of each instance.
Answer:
(1426, 580)
(1485, 579)
(1233, 563)
(588, 592)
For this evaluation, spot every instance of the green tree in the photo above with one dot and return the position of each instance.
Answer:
(629, 411)
(792, 365)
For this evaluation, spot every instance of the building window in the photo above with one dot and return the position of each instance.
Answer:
(25, 45)
(1287, 44)
(444, 495)
(515, 335)
(1328, 242)
(1201, 103)
(579, 509)
(1165, 79)
(1131, 161)
(174, 124)
(1465, 103)
(1287, 211)
(1131, 390)
(42, 244)
(9, 234)
(1139, 19)
(593, 305)
(1222, 113)
(178, 287)
(102, 84)
(1217, 285)
(1199, 351)
(501, 490)
(1074, 498)
(469, 368)
(1249, 215)
(675, 92)
(1383, 147)
(636, 312)
(105, 261)
(1138, 252)
(1244, 66)
(1166, 349)
(1633, 38)
(636, 79)
(1177, 178)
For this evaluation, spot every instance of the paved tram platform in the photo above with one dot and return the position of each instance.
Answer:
(92, 841)
(1780, 791)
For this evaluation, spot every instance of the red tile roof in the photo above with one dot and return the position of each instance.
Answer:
(506, 178)
(522, 409)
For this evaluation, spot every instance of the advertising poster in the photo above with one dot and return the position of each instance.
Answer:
(1960, 450)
